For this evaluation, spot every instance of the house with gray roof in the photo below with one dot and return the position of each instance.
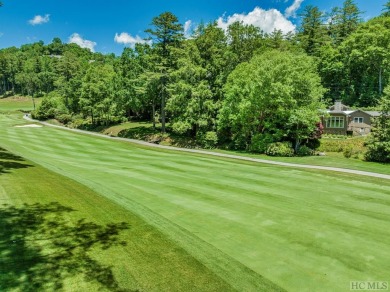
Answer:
(342, 120)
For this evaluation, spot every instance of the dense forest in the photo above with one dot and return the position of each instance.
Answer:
(240, 87)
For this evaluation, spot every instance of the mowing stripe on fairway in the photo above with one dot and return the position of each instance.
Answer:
(337, 169)
(32, 196)
(304, 230)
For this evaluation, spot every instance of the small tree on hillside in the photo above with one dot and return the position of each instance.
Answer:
(379, 142)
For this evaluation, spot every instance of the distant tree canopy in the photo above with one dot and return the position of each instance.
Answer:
(240, 87)
(365, 55)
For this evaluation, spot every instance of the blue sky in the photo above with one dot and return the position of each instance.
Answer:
(108, 26)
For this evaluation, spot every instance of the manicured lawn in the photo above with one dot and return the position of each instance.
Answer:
(17, 103)
(332, 159)
(250, 226)
(58, 234)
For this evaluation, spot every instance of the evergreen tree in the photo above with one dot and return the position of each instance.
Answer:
(386, 9)
(213, 49)
(167, 33)
(347, 19)
(191, 103)
(312, 33)
(365, 56)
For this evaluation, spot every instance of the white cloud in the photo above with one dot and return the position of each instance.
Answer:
(38, 19)
(187, 29)
(267, 20)
(291, 10)
(127, 39)
(1, 34)
(77, 39)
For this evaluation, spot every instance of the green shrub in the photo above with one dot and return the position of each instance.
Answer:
(239, 142)
(209, 140)
(305, 151)
(79, 122)
(64, 118)
(50, 107)
(283, 149)
(334, 136)
(8, 94)
(378, 151)
(260, 142)
(313, 143)
(348, 151)
(181, 127)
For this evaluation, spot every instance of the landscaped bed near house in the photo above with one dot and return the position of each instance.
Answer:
(341, 144)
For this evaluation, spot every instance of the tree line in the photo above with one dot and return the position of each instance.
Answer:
(241, 87)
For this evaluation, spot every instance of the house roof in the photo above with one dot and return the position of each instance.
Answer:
(340, 112)
(373, 113)
(339, 108)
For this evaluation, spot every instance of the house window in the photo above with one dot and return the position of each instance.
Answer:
(358, 120)
(335, 122)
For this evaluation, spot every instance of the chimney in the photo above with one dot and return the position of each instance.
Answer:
(338, 107)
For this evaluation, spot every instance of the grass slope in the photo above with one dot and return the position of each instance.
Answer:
(18, 103)
(304, 231)
(58, 234)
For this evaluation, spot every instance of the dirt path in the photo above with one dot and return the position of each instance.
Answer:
(306, 166)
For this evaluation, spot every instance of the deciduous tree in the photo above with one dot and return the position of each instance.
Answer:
(97, 96)
(378, 144)
(276, 94)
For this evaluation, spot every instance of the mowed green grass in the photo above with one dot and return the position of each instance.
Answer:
(18, 103)
(58, 235)
(250, 224)
(332, 159)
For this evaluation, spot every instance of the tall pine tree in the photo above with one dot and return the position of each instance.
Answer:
(167, 33)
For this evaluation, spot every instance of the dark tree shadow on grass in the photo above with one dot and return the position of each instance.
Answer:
(40, 248)
(9, 161)
(140, 133)
(151, 135)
